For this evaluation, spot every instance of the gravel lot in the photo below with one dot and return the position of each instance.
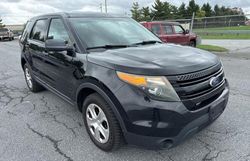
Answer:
(43, 127)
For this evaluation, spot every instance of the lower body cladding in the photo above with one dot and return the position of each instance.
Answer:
(155, 124)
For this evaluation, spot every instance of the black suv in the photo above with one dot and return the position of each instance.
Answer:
(130, 87)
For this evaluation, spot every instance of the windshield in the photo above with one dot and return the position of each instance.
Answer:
(110, 31)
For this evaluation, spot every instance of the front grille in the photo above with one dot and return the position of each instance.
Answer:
(194, 89)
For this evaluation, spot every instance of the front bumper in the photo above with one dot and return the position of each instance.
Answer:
(4, 37)
(155, 124)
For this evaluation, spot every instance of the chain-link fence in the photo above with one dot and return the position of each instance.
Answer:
(232, 26)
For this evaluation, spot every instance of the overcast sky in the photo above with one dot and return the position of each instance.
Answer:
(18, 11)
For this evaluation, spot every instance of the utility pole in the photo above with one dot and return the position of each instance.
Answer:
(101, 7)
(192, 23)
(106, 9)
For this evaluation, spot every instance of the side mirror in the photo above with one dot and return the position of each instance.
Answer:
(186, 31)
(57, 45)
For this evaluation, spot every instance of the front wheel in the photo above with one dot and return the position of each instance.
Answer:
(101, 123)
(192, 43)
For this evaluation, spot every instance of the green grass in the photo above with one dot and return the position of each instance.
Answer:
(225, 36)
(235, 32)
(212, 48)
(224, 28)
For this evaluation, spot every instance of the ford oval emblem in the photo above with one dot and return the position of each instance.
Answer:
(214, 81)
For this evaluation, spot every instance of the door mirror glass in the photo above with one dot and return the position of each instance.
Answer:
(186, 31)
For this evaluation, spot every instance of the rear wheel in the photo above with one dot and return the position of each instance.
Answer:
(101, 123)
(32, 84)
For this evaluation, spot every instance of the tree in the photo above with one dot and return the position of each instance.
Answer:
(200, 13)
(208, 9)
(159, 10)
(146, 15)
(174, 12)
(1, 24)
(217, 10)
(136, 12)
(192, 7)
(182, 12)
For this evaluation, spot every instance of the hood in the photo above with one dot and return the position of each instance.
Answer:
(158, 59)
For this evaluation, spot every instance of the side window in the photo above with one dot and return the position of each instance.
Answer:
(156, 29)
(178, 29)
(25, 31)
(167, 29)
(39, 30)
(57, 30)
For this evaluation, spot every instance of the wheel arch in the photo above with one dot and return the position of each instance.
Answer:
(23, 61)
(93, 85)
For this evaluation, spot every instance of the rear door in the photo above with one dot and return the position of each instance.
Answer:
(36, 47)
(168, 35)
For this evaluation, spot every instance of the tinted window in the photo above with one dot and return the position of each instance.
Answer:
(167, 29)
(178, 29)
(156, 29)
(39, 30)
(27, 28)
(57, 30)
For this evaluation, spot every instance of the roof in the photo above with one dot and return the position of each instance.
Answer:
(81, 14)
(163, 22)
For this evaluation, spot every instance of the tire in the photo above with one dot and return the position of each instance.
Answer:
(10, 39)
(109, 142)
(32, 84)
(192, 43)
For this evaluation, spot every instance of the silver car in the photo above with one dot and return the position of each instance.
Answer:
(6, 34)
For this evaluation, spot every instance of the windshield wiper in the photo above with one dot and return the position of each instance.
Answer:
(147, 42)
(108, 47)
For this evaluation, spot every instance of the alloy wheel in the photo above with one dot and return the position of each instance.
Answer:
(28, 78)
(97, 123)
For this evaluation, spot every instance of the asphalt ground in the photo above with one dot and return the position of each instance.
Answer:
(43, 127)
(235, 47)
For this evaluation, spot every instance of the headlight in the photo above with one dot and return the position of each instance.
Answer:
(156, 87)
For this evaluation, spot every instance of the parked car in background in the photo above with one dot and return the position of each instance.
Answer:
(172, 32)
(6, 33)
(247, 23)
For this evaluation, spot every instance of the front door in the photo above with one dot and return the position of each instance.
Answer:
(181, 36)
(60, 63)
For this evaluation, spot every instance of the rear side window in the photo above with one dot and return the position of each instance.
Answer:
(26, 30)
(156, 29)
(39, 30)
(167, 29)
